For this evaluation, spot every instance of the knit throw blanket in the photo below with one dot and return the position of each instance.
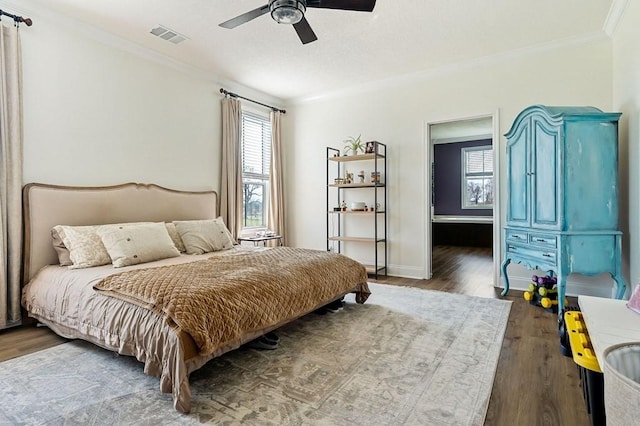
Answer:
(219, 299)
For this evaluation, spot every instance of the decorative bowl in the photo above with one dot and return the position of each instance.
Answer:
(358, 205)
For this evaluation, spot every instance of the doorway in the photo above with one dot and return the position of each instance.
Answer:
(462, 185)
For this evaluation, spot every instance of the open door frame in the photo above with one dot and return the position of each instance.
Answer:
(497, 211)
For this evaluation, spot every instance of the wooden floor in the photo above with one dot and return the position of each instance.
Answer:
(534, 384)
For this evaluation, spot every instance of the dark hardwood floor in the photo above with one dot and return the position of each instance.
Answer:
(534, 383)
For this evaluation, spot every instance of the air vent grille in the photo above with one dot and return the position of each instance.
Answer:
(168, 34)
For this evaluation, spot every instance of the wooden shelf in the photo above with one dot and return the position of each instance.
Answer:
(358, 239)
(376, 191)
(359, 157)
(357, 185)
(354, 212)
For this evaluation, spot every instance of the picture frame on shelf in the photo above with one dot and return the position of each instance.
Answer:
(370, 147)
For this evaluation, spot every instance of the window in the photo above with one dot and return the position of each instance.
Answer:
(256, 156)
(477, 177)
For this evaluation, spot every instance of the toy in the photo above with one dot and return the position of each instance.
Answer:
(543, 292)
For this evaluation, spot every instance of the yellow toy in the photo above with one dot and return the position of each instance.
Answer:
(551, 303)
(543, 292)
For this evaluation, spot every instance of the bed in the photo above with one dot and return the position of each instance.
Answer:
(173, 314)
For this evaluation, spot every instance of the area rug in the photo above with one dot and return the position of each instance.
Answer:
(406, 357)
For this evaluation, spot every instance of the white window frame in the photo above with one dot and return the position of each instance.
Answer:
(465, 205)
(263, 177)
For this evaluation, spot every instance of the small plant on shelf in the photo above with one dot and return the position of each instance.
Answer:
(353, 145)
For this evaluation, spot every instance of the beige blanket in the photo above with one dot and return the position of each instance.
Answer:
(217, 300)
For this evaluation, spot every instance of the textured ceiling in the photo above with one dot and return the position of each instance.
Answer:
(353, 48)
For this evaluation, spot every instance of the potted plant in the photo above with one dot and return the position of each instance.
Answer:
(353, 145)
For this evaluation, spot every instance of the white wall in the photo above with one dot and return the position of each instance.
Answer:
(395, 114)
(96, 115)
(626, 99)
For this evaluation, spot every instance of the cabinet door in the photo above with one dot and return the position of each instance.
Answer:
(545, 175)
(518, 197)
(591, 168)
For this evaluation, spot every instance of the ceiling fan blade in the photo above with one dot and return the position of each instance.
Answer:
(245, 17)
(304, 31)
(357, 5)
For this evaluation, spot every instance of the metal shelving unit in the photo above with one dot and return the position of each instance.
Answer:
(378, 215)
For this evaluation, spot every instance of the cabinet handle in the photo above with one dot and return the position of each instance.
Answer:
(546, 255)
(512, 247)
(541, 240)
(517, 237)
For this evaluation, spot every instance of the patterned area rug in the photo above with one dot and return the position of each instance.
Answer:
(406, 357)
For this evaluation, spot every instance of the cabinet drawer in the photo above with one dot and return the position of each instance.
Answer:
(545, 240)
(517, 236)
(546, 256)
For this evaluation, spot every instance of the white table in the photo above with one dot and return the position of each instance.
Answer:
(609, 322)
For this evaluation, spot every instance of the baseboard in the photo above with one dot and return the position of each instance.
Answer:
(598, 286)
(576, 285)
(402, 271)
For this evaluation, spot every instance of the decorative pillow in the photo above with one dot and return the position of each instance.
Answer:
(84, 245)
(634, 300)
(61, 249)
(221, 222)
(130, 245)
(175, 237)
(203, 236)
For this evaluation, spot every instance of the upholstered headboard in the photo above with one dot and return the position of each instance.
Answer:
(48, 205)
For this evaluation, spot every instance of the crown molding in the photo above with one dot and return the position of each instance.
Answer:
(411, 78)
(83, 29)
(616, 12)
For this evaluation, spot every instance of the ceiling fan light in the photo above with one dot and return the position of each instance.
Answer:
(287, 11)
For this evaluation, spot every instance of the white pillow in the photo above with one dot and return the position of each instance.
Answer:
(203, 236)
(84, 245)
(140, 243)
(175, 237)
(64, 258)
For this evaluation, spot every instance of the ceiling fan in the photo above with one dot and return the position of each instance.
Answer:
(292, 12)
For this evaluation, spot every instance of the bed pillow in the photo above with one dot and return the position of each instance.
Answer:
(203, 236)
(85, 246)
(64, 258)
(130, 245)
(175, 237)
(221, 223)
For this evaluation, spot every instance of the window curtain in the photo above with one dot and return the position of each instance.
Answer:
(231, 181)
(275, 219)
(10, 174)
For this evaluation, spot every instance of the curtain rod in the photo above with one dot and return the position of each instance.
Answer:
(17, 18)
(235, 95)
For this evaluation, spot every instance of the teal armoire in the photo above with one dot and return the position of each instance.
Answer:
(562, 194)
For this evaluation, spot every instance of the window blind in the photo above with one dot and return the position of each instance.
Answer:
(256, 146)
(256, 157)
(479, 162)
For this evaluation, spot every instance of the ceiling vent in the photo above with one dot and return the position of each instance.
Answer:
(168, 34)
